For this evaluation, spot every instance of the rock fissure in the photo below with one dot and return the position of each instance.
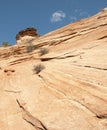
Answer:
(93, 28)
(80, 101)
(102, 37)
(87, 108)
(87, 66)
(60, 57)
(68, 97)
(103, 116)
(91, 67)
(31, 119)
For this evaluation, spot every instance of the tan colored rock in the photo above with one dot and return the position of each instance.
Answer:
(70, 93)
(26, 35)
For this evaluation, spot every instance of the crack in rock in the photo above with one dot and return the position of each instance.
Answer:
(103, 116)
(102, 37)
(92, 67)
(69, 98)
(31, 119)
(61, 57)
(95, 67)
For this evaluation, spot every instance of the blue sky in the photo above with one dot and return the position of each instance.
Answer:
(44, 15)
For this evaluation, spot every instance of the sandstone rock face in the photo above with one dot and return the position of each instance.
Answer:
(65, 89)
(26, 35)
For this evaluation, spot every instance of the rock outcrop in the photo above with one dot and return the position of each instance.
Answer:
(63, 89)
(26, 35)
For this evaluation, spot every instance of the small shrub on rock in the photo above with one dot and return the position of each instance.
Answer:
(38, 68)
(43, 51)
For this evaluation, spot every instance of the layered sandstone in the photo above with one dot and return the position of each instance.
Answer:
(69, 92)
(26, 35)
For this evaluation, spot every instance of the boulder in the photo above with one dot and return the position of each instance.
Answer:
(26, 35)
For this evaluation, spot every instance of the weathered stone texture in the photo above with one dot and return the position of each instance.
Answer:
(70, 92)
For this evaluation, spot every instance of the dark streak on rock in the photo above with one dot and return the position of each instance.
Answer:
(31, 119)
(95, 67)
(104, 116)
(102, 37)
(91, 67)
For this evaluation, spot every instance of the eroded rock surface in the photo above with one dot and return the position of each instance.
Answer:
(70, 93)
(26, 35)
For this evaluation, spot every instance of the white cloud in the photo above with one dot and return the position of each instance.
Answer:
(58, 16)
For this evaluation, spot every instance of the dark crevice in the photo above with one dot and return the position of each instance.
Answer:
(47, 59)
(102, 37)
(9, 70)
(91, 67)
(71, 37)
(21, 106)
(94, 27)
(104, 116)
(63, 40)
(95, 67)
(69, 98)
(72, 33)
(75, 100)
(37, 124)
(103, 25)
(21, 60)
(68, 56)
(37, 128)
(29, 122)
(60, 57)
(84, 106)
